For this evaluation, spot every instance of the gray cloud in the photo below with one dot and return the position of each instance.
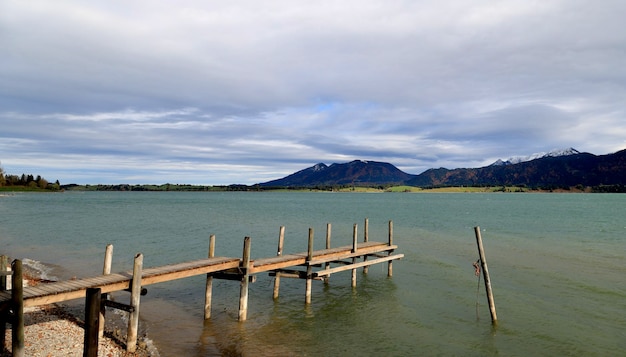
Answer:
(221, 92)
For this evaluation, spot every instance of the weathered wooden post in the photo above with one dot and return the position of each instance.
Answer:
(366, 239)
(135, 294)
(93, 302)
(4, 270)
(390, 264)
(354, 249)
(279, 252)
(17, 302)
(327, 264)
(309, 269)
(483, 262)
(208, 292)
(245, 281)
(106, 270)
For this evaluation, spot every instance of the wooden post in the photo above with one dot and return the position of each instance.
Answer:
(354, 249)
(17, 301)
(309, 269)
(4, 268)
(327, 264)
(279, 252)
(135, 294)
(92, 325)
(208, 292)
(390, 264)
(245, 281)
(366, 239)
(483, 262)
(106, 270)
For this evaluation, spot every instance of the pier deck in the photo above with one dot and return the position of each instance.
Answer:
(243, 269)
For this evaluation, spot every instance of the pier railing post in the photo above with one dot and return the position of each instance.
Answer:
(327, 264)
(355, 238)
(245, 281)
(135, 294)
(486, 278)
(208, 292)
(17, 302)
(279, 252)
(366, 239)
(390, 264)
(93, 302)
(106, 270)
(309, 269)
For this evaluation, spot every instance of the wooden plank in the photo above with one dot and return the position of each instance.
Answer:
(358, 265)
(363, 251)
(196, 270)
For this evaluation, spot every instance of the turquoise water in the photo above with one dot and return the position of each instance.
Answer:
(557, 264)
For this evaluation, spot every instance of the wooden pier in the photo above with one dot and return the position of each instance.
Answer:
(310, 265)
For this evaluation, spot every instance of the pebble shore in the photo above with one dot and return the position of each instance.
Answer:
(51, 331)
(54, 330)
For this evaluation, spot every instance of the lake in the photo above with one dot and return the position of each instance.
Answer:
(557, 265)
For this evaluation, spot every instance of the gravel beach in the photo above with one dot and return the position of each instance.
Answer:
(57, 330)
(51, 331)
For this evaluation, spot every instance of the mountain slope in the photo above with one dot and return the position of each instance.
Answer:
(358, 172)
(569, 170)
(565, 169)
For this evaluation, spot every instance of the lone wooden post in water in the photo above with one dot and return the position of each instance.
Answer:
(17, 300)
(279, 252)
(483, 262)
(309, 269)
(245, 280)
(135, 294)
(208, 292)
(92, 322)
(106, 270)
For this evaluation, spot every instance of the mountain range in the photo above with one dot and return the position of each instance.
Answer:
(556, 169)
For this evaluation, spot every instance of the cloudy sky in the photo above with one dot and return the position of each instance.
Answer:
(221, 92)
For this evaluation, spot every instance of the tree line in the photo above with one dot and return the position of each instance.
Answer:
(25, 181)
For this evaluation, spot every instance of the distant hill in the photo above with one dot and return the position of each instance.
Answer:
(358, 173)
(563, 168)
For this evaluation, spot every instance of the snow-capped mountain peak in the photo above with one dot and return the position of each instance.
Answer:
(554, 153)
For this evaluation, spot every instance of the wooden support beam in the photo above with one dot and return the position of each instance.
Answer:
(17, 302)
(118, 305)
(106, 270)
(243, 292)
(327, 264)
(208, 292)
(390, 264)
(281, 241)
(309, 269)
(366, 239)
(4, 272)
(135, 294)
(358, 265)
(92, 322)
(232, 276)
(354, 250)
